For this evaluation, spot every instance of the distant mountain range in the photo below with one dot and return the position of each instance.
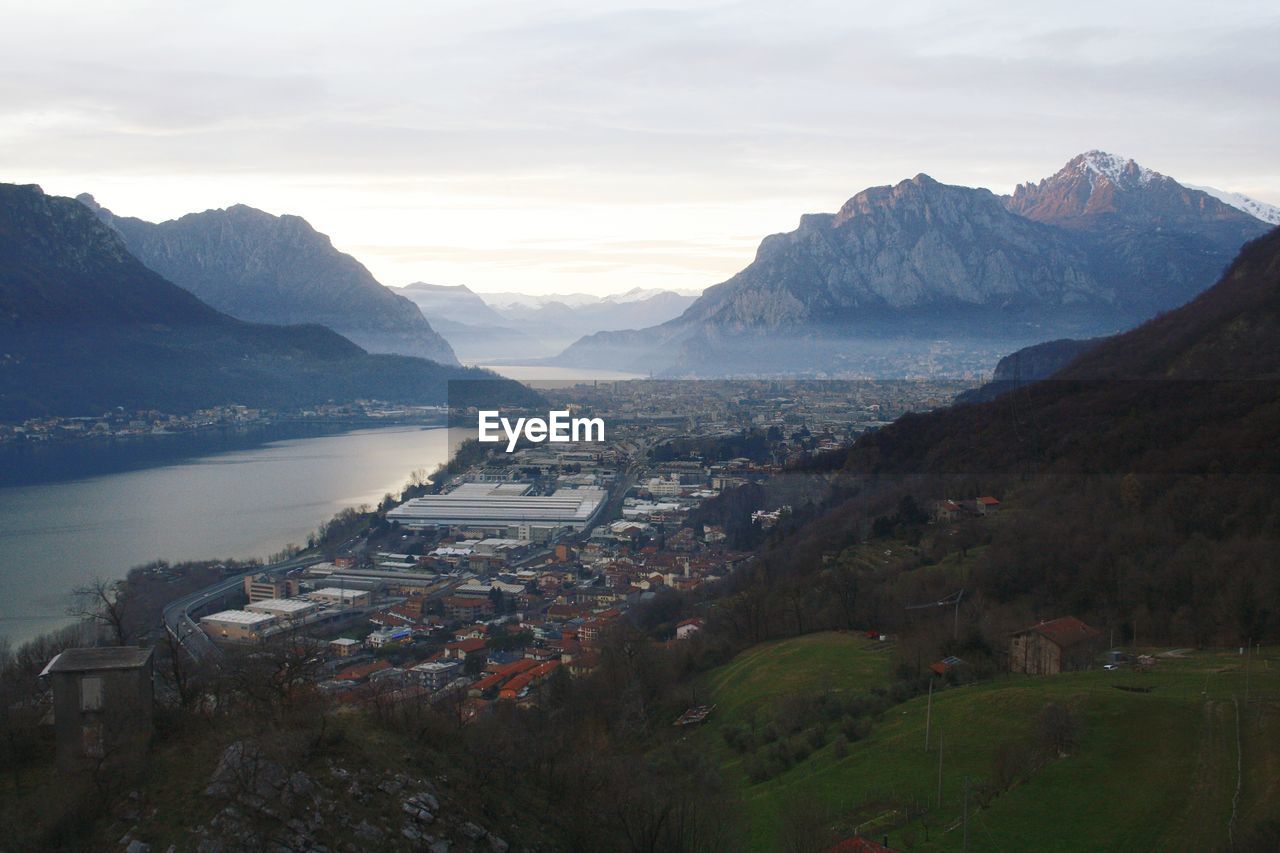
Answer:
(491, 327)
(85, 327)
(1098, 247)
(278, 269)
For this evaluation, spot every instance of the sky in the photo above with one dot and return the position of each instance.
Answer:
(599, 146)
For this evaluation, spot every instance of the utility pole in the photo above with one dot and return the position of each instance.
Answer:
(1247, 672)
(928, 716)
(939, 770)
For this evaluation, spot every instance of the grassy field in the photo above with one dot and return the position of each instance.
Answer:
(803, 666)
(1155, 769)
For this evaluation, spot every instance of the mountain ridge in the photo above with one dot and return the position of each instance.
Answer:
(85, 327)
(1098, 247)
(272, 269)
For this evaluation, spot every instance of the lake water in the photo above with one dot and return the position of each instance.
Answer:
(234, 504)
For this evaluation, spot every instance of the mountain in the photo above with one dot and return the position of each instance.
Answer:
(455, 302)
(279, 270)
(513, 326)
(477, 332)
(1096, 248)
(1029, 364)
(1139, 486)
(1268, 213)
(1194, 389)
(85, 327)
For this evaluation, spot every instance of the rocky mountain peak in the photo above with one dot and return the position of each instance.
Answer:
(1100, 166)
(1098, 184)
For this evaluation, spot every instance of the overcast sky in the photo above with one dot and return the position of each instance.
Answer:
(599, 146)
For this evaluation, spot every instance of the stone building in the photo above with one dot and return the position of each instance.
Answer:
(102, 701)
(1048, 648)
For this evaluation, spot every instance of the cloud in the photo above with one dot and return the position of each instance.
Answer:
(623, 121)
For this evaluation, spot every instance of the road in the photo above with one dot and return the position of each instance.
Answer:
(177, 613)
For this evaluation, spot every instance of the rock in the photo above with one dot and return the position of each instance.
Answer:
(497, 845)
(245, 773)
(300, 784)
(425, 800)
(440, 846)
(470, 830)
(136, 846)
(367, 831)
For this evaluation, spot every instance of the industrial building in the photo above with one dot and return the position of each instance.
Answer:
(340, 597)
(503, 510)
(284, 608)
(237, 626)
(262, 587)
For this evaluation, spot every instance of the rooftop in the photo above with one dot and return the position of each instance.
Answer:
(338, 592)
(238, 617)
(86, 660)
(281, 605)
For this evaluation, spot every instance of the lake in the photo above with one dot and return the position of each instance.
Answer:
(240, 503)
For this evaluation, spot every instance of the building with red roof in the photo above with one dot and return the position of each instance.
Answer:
(1058, 645)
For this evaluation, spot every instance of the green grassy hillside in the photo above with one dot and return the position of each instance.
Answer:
(1153, 768)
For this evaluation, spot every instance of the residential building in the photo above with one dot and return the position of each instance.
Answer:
(1048, 648)
(435, 674)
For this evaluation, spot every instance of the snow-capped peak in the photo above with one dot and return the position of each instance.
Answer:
(1268, 213)
(1113, 167)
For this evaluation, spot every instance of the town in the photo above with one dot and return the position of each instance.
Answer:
(503, 576)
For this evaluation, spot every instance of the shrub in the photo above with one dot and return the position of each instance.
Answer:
(1057, 729)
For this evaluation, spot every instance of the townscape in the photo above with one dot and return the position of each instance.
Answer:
(639, 427)
(520, 565)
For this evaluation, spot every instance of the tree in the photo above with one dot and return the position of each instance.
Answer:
(104, 603)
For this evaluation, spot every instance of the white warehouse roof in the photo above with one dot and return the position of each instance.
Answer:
(489, 506)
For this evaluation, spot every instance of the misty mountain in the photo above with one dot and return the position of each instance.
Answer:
(85, 327)
(1096, 248)
(561, 318)
(477, 333)
(278, 269)
(493, 327)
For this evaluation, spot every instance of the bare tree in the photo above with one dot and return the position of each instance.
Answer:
(104, 603)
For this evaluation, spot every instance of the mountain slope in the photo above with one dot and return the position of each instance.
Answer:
(1029, 364)
(1096, 248)
(85, 327)
(1193, 390)
(1268, 213)
(279, 270)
